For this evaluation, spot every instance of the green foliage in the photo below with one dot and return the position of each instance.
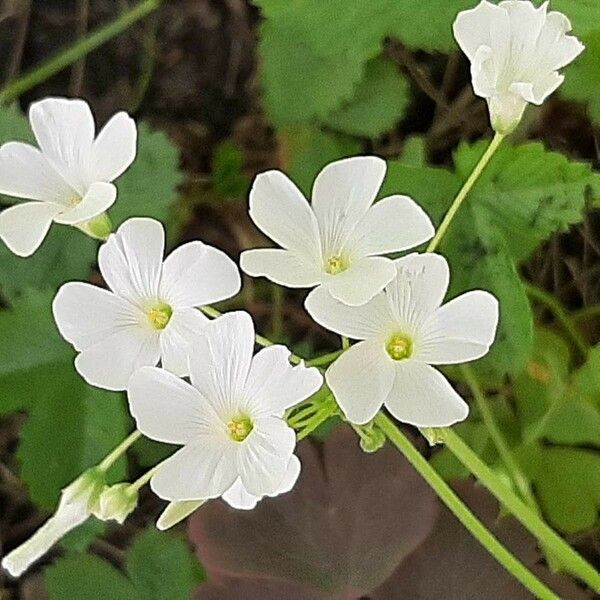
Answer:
(229, 179)
(159, 566)
(525, 194)
(71, 426)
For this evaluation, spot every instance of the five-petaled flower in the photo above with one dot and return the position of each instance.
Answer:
(404, 330)
(515, 51)
(68, 179)
(336, 243)
(150, 313)
(236, 443)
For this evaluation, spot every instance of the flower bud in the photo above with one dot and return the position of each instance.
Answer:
(116, 502)
(176, 512)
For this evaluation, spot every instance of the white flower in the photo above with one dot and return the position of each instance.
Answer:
(77, 502)
(515, 51)
(69, 177)
(405, 330)
(236, 443)
(149, 315)
(336, 243)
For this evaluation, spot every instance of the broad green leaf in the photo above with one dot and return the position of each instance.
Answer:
(87, 577)
(70, 425)
(161, 566)
(379, 102)
(583, 14)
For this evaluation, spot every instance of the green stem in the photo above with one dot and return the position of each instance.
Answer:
(78, 50)
(462, 512)
(464, 190)
(584, 314)
(108, 461)
(560, 313)
(324, 359)
(570, 559)
(138, 484)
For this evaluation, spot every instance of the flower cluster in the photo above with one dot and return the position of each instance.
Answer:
(197, 383)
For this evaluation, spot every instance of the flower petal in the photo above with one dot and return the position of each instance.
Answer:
(274, 385)
(264, 455)
(220, 361)
(168, 409)
(361, 281)
(361, 379)
(281, 212)
(478, 26)
(203, 469)
(25, 173)
(423, 397)
(86, 314)
(98, 198)
(23, 227)
(64, 129)
(176, 339)
(461, 330)
(356, 322)
(554, 48)
(418, 289)
(110, 363)
(196, 274)
(131, 260)
(342, 193)
(280, 266)
(115, 148)
(393, 224)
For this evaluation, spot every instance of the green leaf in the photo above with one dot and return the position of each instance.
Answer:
(379, 102)
(71, 426)
(149, 187)
(87, 577)
(583, 14)
(155, 554)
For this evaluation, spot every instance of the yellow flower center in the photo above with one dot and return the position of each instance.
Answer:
(74, 200)
(239, 428)
(399, 347)
(160, 315)
(336, 264)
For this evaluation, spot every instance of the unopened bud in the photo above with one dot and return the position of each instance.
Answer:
(116, 502)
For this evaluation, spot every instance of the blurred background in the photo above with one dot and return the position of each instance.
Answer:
(225, 89)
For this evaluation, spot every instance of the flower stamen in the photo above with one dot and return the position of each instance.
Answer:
(239, 428)
(160, 315)
(399, 347)
(335, 265)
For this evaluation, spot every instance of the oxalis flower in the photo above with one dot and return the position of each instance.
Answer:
(404, 331)
(515, 51)
(149, 315)
(336, 242)
(68, 179)
(229, 420)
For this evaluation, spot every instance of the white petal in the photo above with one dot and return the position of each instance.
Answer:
(220, 361)
(274, 385)
(25, 173)
(474, 28)
(461, 330)
(361, 379)
(357, 322)
(23, 227)
(281, 266)
(196, 274)
(484, 73)
(168, 409)
(204, 469)
(86, 314)
(342, 193)
(131, 260)
(115, 148)
(554, 48)
(264, 455)
(390, 225)
(526, 24)
(64, 130)
(177, 337)
(422, 396)
(361, 281)
(281, 212)
(98, 198)
(418, 289)
(110, 363)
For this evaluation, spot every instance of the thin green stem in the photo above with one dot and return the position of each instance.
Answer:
(569, 558)
(464, 190)
(587, 313)
(112, 457)
(139, 483)
(75, 52)
(324, 359)
(560, 313)
(462, 512)
(345, 343)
